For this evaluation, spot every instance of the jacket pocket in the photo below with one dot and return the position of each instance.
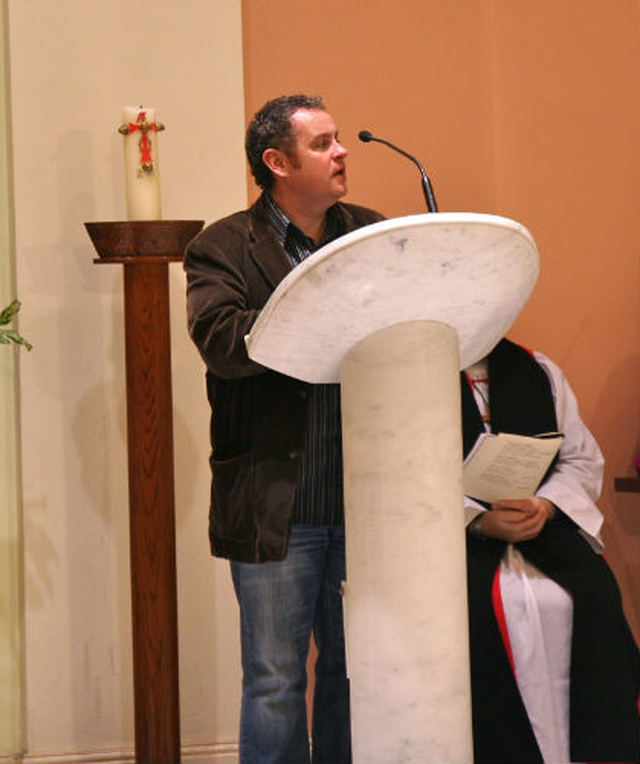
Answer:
(232, 513)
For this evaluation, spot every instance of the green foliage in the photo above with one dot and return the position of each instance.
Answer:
(7, 336)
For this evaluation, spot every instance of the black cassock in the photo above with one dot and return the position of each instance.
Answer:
(605, 663)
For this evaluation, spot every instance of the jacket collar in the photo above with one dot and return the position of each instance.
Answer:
(266, 251)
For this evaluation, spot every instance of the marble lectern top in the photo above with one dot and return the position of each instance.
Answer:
(473, 272)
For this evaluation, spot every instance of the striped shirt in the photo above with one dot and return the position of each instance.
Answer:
(319, 499)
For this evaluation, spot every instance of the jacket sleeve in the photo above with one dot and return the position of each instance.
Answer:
(219, 310)
(576, 481)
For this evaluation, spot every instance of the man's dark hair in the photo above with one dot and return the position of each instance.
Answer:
(271, 128)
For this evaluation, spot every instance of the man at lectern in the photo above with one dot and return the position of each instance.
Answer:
(554, 666)
(276, 499)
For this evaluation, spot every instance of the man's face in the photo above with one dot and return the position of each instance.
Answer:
(316, 166)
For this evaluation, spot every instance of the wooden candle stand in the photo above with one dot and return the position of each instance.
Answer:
(146, 248)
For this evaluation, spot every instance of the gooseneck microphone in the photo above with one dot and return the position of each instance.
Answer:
(365, 136)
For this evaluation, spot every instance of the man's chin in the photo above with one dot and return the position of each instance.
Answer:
(341, 190)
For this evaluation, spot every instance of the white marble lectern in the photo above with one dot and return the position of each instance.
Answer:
(393, 311)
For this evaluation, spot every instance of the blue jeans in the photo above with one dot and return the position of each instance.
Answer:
(280, 604)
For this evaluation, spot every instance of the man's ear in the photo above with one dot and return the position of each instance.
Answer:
(276, 161)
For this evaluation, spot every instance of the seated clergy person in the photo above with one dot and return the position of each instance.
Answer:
(554, 667)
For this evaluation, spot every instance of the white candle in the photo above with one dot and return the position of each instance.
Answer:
(142, 180)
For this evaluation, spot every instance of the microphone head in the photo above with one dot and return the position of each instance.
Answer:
(365, 136)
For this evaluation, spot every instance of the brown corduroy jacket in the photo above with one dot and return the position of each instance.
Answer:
(258, 415)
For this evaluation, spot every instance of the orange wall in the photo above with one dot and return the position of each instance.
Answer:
(528, 110)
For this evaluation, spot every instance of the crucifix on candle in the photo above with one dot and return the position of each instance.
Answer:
(141, 162)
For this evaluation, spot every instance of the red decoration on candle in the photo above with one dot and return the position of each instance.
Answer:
(141, 125)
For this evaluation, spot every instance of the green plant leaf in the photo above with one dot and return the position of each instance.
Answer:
(7, 336)
(9, 312)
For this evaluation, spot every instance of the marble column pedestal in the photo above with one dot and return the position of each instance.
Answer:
(393, 311)
(405, 597)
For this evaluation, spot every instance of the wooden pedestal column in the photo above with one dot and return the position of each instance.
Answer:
(145, 249)
(151, 509)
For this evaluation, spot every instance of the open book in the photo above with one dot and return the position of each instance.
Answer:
(507, 466)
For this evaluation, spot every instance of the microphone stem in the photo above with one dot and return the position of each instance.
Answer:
(426, 183)
(428, 193)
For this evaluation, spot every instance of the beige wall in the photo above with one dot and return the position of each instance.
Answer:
(523, 109)
(73, 66)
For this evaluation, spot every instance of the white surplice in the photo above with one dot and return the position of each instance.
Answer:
(539, 612)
